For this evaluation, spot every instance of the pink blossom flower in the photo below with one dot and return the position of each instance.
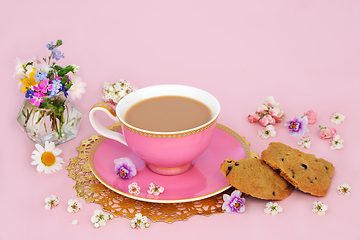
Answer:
(37, 99)
(266, 120)
(261, 109)
(311, 116)
(326, 132)
(270, 102)
(44, 86)
(278, 114)
(254, 117)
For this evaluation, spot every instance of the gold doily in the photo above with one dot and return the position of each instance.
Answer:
(89, 188)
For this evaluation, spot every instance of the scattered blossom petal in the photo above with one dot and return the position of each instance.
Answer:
(139, 221)
(344, 189)
(155, 189)
(336, 143)
(319, 208)
(134, 188)
(304, 142)
(272, 208)
(337, 118)
(51, 202)
(268, 132)
(74, 206)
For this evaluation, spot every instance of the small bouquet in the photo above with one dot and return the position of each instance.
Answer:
(47, 85)
(268, 113)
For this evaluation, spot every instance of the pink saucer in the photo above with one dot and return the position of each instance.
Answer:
(203, 180)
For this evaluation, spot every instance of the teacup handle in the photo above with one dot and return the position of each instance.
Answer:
(106, 108)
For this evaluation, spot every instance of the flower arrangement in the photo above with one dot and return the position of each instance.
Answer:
(267, 113)
(47, 85)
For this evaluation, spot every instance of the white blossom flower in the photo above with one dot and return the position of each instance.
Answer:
(47, 159)
(344, 189)
(139, 221)
(113, 93)
(74, 206)
(337, 118)
(336, 143)
(319, 208)
(155, 189)
(77, 88)
(74, 222)
(99, 218)
(272, 208)
(51, 202)
(267, 132)
(134, 188)
(304, 142)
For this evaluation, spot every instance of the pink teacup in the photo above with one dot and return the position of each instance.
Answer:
(166, 153)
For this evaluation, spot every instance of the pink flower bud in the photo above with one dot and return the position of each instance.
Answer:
(270, 102)
(262, 109)
(266, 120)
(253, 117)
(326, 132)
(278, 114)
(311, 116)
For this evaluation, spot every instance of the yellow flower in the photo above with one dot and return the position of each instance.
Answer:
(28, 82)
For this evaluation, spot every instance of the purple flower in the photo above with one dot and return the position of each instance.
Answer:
(37, 99)
(50, 45)
(234, 203)
(43, 86)
(297, 127)
(57, 54)
(29, 93)
(125, 168)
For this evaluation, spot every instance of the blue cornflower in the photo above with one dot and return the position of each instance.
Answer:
(57, 54)
(29, 94)
(39, 76)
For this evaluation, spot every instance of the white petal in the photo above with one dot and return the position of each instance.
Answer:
(74, 222)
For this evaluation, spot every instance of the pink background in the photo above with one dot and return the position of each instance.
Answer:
(305, 53)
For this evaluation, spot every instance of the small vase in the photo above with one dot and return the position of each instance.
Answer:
(57, 120)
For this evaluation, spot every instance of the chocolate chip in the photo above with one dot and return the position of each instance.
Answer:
(229, 170)
(273, 193)
(304, 166)
(236, 164)
(282, 159)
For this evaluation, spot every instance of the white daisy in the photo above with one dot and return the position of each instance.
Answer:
(272, 208)
(337, 118)
(336, 143)
(74, 206)
(77, 88)
(47, 159)
(269, 131)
